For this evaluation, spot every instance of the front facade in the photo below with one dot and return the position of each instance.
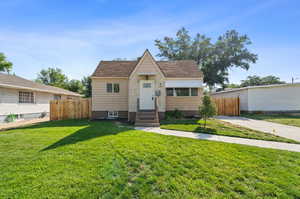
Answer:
(26, 99)
(123, 88)
(270, 98)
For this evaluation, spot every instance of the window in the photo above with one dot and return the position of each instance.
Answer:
(182, 91)
(57, 97)
(194, 91)
(109, 87)
(146, 85)
(26, 97)
(170, 91)
(116, 88)
(112, 114)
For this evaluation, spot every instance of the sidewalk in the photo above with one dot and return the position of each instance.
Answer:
(227, 139)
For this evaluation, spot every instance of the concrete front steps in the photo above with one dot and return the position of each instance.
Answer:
(147, 118)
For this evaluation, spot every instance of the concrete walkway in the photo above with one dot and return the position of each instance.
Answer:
(202, 136)
(281, 130)
(22, 123)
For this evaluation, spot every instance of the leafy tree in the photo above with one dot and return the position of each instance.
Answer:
(257, 81)
(5, 65)
(75, 86)
(87, 86)
(214, 59)
(53, 77)
(207, 109)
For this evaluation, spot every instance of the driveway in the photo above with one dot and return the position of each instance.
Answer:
(220, 138)
(282, 130)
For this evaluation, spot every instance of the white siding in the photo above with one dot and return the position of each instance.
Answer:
(9, 102)
(286, 98)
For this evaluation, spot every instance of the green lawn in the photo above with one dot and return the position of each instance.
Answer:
(221, 128)
(292, 120)
(81, 159)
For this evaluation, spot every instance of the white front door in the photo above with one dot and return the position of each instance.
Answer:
(147, 95)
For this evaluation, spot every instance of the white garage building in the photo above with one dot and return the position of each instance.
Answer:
(268, 98)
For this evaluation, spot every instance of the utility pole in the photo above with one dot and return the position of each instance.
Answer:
(294, 78)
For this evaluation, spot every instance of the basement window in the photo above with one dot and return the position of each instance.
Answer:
(112, 114)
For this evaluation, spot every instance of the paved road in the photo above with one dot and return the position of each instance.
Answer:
(202, 136)
(282, 130)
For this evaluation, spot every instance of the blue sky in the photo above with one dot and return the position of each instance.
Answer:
(75, 35)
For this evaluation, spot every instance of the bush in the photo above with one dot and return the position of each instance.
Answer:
(11, 118)
(176, 114)
(43, 114)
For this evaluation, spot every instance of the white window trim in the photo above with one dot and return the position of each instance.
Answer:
(113, 87)
(190, 93)
(112, 114)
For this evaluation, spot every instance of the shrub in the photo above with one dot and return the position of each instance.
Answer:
(176, 114)
(43, 114)
(207, 109)
(11, 118)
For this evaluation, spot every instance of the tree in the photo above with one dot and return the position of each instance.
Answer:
(75, 86)
(87, 86)
(53, 77)
(5, 65)
(257, 81)
(207, 109)
(214, 59)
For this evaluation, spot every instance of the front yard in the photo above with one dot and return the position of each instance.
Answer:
(82, 159)
(292, 120)
(218, 127)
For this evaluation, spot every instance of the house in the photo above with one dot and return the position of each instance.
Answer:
(142, 91)
(277, 98)
(27, 99)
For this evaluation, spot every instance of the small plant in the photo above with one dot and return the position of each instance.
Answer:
(43, 114)
(11, 118)
(176, 114)
(207, 109)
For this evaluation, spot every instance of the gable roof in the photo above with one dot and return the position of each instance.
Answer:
(170, 69)
(13, 81)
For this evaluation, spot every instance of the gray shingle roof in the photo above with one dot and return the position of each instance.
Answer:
(14, 81)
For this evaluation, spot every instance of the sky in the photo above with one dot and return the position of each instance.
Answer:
(75, 35)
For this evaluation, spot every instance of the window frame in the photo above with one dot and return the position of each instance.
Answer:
(112, 114)
(174, 94)
(109, 89)
(113, 88)
(118, 87)
(30, 100)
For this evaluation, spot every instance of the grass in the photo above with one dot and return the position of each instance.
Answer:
(221, 128)
(292, 120)
(82, 159)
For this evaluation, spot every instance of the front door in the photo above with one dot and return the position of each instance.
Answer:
(147, 95)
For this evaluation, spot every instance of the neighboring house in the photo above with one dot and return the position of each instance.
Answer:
(27, 99)
(142, 90)
(268, 98)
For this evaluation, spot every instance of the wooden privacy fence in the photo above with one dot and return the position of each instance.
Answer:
(70, 109)
(228, 106)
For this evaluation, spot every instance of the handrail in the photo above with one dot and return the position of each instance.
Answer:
(138, 104)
